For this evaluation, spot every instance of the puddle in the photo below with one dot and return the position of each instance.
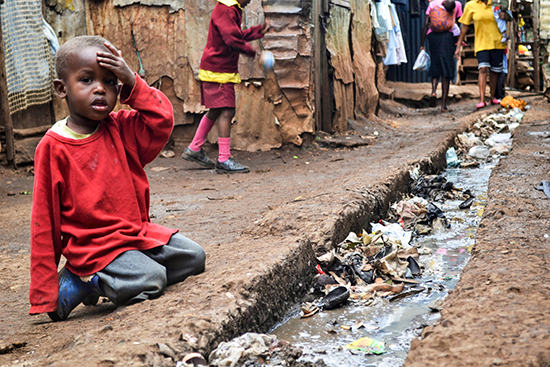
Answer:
(321, 336)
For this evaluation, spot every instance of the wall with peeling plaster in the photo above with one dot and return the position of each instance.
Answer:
(165, 40)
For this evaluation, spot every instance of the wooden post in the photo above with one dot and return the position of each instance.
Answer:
(5, 115)
(323, 93)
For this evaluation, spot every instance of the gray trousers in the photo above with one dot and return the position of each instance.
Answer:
(135, 276)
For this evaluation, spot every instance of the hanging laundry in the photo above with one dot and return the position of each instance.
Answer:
(396, 54)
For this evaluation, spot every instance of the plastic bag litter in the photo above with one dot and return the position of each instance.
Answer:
(515, 114)
(393, 265)
(468, 139)
(494, 139)
(511, 102)
(368, 345)
(395, 232)
(422, 62)
(479, 152)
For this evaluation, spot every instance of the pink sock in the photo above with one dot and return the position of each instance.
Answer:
(223, 147)
(202, 131)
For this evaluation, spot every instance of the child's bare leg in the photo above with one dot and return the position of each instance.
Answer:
(224, 125)
(445, 82)
(482, 80)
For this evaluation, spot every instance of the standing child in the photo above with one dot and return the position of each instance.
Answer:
(218, 74)
(91, 193)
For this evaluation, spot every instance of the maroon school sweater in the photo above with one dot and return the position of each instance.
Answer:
(226, 40)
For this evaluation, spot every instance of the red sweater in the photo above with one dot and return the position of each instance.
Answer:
(226, 40)
(91, 196)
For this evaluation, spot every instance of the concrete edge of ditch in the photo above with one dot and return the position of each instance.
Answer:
(269, 297)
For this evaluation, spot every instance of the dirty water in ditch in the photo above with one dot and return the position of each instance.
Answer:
(324, 335)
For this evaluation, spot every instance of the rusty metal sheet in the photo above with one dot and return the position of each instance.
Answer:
(366, 93)
(343, 97)
(174, 5)
(197, 18)
(250, 68)
(343, 3)
(293, 73)
(292, 126)
(302, 7)
(284, 46)
(337, 39)
(256, 125)
(299, 100)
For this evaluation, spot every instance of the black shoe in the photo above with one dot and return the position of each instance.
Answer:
(231, 166)
(198, 157)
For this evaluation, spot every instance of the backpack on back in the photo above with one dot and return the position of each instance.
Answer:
(440, 19)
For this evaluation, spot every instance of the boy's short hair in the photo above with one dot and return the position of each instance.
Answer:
(449, 5)
(66, 52)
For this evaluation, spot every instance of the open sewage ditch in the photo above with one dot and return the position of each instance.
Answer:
(382, 285)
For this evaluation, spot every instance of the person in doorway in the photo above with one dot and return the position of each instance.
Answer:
(91, 194)
(218, 74)
(488, 47)
(441, 30)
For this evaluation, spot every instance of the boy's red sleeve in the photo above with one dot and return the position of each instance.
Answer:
(45, 233)
(147, 128)
(231, 33)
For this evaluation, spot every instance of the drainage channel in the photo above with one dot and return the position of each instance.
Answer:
(326, 334)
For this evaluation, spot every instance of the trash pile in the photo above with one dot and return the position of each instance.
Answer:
(382, 264)
(255, 350)
(489, 138)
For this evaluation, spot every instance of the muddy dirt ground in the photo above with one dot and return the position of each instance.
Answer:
(262, 230)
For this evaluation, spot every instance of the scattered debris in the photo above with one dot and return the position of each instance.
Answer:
(489, 138)
(159, 169)
(368, 345)
(255, 350)
(545, 187)
(167, 153)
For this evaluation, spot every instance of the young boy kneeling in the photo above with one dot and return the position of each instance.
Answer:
(91, 193)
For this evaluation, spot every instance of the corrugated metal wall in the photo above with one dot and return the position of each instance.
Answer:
(411, 29)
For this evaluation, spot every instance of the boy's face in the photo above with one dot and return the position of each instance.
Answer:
(91, 91)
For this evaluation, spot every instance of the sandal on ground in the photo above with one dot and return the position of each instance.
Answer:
(481, 105)
(495, 101)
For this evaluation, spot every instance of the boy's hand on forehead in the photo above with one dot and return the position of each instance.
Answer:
(114, 62)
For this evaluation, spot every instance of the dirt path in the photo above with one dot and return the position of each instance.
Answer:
(260, 231)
